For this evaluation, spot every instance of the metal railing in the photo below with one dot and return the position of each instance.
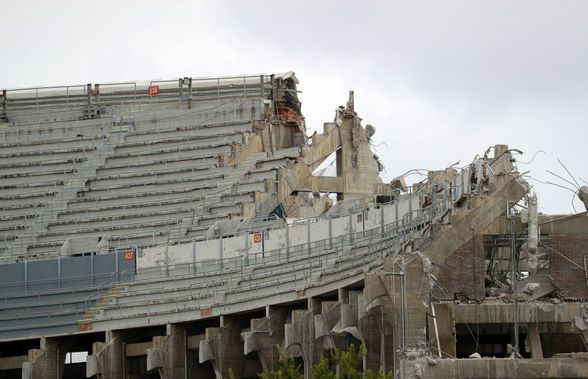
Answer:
(460, 184)
(180, 93)
(267, 270)
(255, 275)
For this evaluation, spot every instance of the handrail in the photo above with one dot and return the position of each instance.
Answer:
(173, 92)
(318, 260)
(420, 218)
(228, 188)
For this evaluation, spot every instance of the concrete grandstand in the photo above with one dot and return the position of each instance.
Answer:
(178, 229)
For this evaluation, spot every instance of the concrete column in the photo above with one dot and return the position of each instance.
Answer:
(414, 312)
(168, 354)
(410, 293)
(442, 331)
(378, 322)
(371, 338)
(299, 337)
(97, 93)
(107, 359)
(224, 348)
(534, 337)
(308, 344)
(265, 335)
(343, 295)
(89, 93)
(230, 348)
(43, 363)
(325, 323)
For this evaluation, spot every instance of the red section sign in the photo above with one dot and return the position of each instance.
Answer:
(257, 237)
(153, 90)
(129, 255)
(85, 327)
(206, 312)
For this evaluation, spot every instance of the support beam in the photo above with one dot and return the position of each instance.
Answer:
(138, 349)
(331, 184)
(535, 312)
(12, 363)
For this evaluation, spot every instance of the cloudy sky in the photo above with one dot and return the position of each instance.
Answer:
(440, 80)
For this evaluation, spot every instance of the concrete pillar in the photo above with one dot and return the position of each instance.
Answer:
(168, 354)
(230, 352)
(107, 358)
(410, 293)
(324, 325)
(89, 93)
(45, 362)
(299, 337)
(378, 321)
(97, 93)
(292, 334)
(223, 346)
(265, 335)
(534, 337)
(371, 339)
(442, 331)
(307, 340)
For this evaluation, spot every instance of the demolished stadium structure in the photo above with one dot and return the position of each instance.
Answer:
(178, 229)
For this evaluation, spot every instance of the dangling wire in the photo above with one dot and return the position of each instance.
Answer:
(532, 159)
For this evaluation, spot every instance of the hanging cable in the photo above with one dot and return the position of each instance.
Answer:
(532, 159)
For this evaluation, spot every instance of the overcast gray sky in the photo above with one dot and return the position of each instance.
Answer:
(440, 80)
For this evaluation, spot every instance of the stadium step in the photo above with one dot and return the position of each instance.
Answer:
(58, 203)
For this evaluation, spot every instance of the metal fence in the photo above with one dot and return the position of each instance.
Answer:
(66, 273)
(31, 276)
(182, 93)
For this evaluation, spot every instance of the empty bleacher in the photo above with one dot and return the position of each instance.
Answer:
(119, 166)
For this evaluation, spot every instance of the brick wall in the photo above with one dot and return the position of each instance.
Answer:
(567, 276)
(463, 272)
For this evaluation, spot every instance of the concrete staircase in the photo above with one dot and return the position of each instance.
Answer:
(114, 291)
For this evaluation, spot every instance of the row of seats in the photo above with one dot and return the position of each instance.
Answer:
(137, 165)
(168, 167)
